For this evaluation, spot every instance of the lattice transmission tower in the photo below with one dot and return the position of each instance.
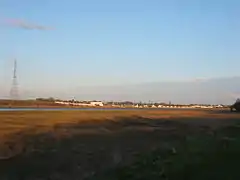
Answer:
(14, 89)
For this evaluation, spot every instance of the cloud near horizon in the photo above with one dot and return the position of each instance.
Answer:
(17, 23)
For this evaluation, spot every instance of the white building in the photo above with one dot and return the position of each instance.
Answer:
(96, 103)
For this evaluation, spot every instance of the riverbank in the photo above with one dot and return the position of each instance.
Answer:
(103, 144)
(27, 104)
(37, 104)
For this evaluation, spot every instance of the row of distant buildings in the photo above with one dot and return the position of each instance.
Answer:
(91, 103)
(175, 106)
(180, 106)
(133, 105)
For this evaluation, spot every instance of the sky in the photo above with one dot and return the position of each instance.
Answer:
(120, 42)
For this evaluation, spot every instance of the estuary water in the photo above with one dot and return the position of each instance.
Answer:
(90, 109)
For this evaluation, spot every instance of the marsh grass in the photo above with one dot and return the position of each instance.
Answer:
(119, 145)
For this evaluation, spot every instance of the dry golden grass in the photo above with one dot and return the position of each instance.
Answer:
(15, 121)
(78, 142)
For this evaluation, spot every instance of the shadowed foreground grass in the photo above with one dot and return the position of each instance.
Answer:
(200, 157)
(148, 144)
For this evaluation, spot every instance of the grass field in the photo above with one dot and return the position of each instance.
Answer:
(136, 144)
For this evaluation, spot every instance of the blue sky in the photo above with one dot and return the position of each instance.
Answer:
(106, 42)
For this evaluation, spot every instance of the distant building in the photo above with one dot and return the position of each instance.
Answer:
(93, 103)
(96, 103)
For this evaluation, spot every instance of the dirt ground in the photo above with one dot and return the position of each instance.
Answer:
(81, 144)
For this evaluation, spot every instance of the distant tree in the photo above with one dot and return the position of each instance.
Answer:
(50, 99)
(127, 103)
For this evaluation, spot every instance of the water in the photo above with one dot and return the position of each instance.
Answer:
(69, 109)
(52, 109)
(88, 109)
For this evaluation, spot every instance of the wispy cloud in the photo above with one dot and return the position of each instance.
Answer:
(17, 23)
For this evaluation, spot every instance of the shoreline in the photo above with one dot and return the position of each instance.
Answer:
(106, 107)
